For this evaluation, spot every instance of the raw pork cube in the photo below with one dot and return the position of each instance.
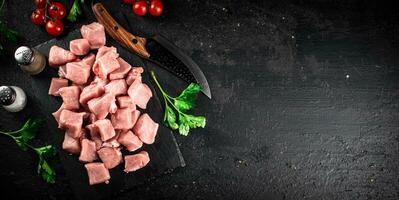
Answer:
(134, 74)
(126, 102)
(71, 121)
(122, 119)
(101, 106)
(122, 71)
(95, 34)
(78, 72)
(70, 96)
(57, 113)
(56, 84)
(116, 87)
(113, 142)
(88, 153)
(105, 129)
(111, 157)
(97, 173)
(59, 56)
(130, 141)
(137, 161)
(95, 135)
(73, 133)
(71, 144)
(146, 129)
(104, 49)
(106, 64)
(79, 47)
(140, 93)
(91, 91)
(89, 60)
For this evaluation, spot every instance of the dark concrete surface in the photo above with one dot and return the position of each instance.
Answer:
(305, 101)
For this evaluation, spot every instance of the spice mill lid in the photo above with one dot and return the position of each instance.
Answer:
(7, 95)
(24, 55)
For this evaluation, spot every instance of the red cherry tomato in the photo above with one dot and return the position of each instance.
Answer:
(140, 8)
(156, 8)
(40, 3)
(37, 17)
(54, 27)
(57, 10)
(128, 1)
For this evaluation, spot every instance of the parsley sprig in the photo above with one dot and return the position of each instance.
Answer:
(181, 104)
(75, 11)
(27, 133)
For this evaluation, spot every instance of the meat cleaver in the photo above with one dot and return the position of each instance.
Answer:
(156, 49)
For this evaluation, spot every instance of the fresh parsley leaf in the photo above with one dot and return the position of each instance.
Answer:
(30, 129)
(46, 151)
(170, 118)
(184, 128)
(186, 100)
(48, 174)
(75, 11)
(195, 121)
(176, 107)
(28, 132)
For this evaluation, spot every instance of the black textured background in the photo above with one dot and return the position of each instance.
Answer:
(305, 101)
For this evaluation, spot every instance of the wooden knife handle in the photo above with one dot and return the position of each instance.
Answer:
(133, 43)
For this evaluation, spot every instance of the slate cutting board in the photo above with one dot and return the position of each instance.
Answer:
(164, 153)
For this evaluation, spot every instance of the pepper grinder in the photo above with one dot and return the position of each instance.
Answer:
(12, 98)
(30, 60)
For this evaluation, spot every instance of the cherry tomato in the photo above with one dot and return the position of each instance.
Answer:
(140, 8)
(57, 10)
(54, 27)
(37, 17)
(156, 8)
(40, 3)
(128, 1)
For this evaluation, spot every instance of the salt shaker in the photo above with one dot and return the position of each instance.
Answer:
(12, 98)
(30, 60)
